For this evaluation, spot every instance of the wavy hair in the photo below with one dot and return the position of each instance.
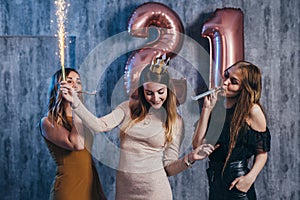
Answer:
(251, 87)
(139, 108)
(56, 106)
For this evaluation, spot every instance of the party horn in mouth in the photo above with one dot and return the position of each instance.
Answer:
(87, 92)
(206, 93)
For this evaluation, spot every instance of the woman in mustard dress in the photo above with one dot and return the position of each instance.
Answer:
(76, 176)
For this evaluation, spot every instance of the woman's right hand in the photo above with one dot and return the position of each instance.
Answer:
(67, 91)
(210, 100)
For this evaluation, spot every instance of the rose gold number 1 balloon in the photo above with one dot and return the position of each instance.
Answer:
(169, 40)
(225, 31)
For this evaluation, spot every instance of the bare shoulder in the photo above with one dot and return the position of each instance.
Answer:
(257, 119)
(45, 125)
(45, 122)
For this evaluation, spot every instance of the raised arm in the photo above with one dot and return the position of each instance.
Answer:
(200, 131)
(201, 127)
(95, 124)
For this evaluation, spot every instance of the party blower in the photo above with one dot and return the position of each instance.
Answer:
(206, 93)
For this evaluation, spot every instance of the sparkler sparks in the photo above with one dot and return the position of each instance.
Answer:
(61, 14)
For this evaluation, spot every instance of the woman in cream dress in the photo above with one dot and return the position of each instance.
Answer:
(151, 134)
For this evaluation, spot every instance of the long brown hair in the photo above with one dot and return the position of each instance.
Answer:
(56, 106)
(251, 86)
(139, 108)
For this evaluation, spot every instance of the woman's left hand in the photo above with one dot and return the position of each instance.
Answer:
(242, 183)
(203, 151)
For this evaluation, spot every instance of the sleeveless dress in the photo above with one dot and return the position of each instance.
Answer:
(145, 160)
(249, 142)
(76, 176)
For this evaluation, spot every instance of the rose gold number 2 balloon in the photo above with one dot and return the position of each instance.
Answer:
(169, 40)
(225, 31)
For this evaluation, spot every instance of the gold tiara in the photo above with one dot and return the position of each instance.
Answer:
(160, 66)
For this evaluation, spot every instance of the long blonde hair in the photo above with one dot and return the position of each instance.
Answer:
(251, 86)
(56, 106)
(139, 108)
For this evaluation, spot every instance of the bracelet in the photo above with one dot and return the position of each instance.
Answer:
(187, 162)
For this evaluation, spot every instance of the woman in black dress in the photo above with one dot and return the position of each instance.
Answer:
(244, 134)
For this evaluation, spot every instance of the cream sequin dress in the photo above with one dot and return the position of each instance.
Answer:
(145, 158)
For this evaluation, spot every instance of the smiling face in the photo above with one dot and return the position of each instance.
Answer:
(73, 79)
(232, 82)
(155, 94)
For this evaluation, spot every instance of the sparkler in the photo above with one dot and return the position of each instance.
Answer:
(61, 13)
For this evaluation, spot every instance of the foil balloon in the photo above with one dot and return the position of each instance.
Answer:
(225, 31)
(169, 40)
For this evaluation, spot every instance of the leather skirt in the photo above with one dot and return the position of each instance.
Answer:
(219, 185)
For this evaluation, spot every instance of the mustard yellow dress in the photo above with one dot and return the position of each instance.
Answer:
(76, 176)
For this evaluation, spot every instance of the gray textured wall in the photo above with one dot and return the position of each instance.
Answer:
(28, 59)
